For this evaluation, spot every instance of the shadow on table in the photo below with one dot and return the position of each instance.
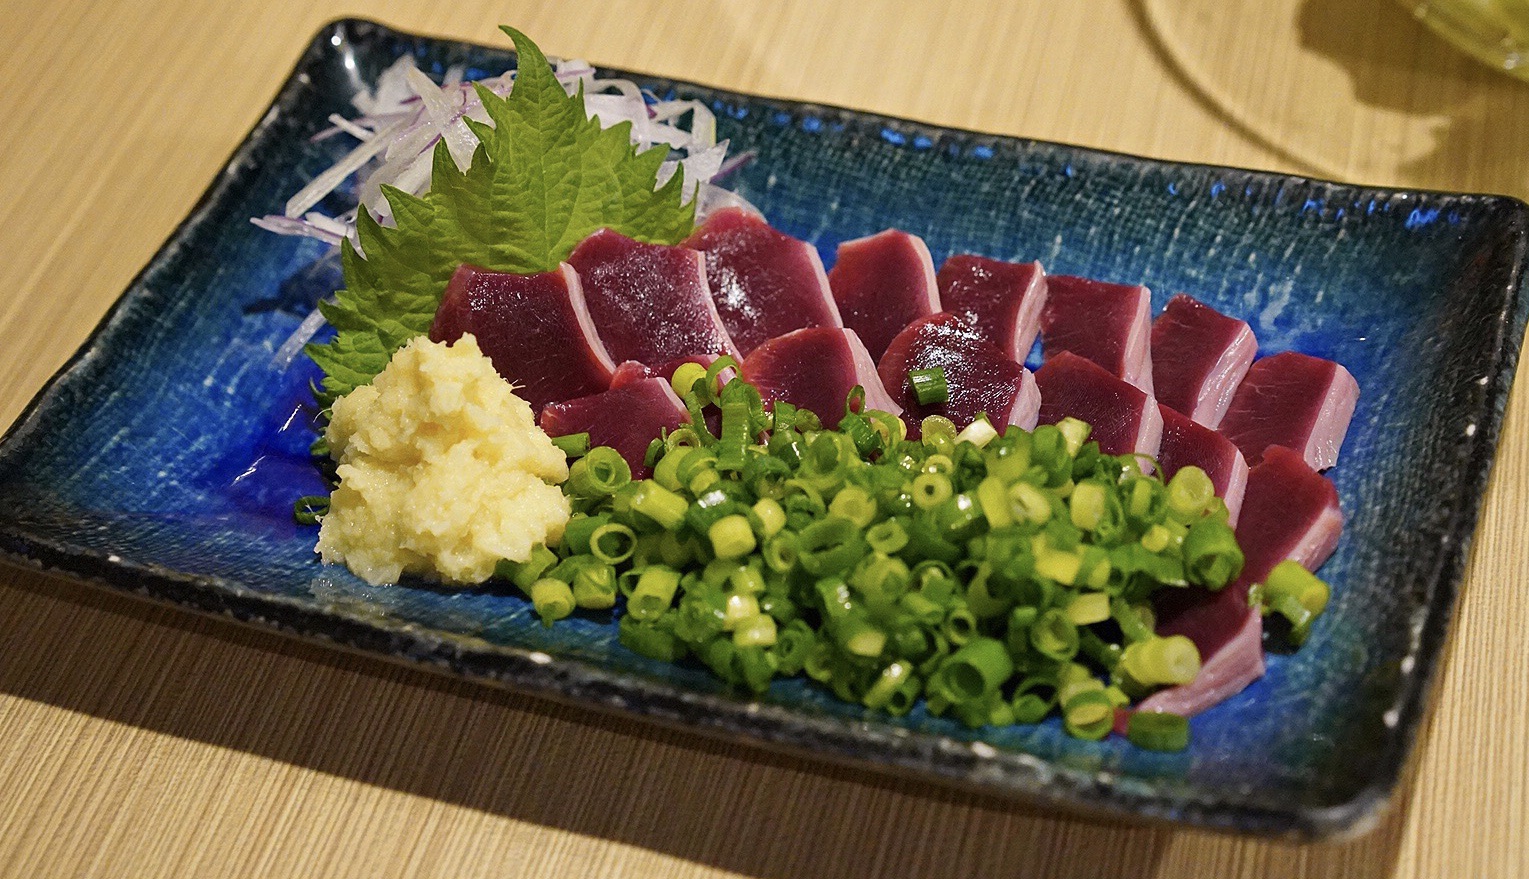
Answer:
(734, 808)
(1394, 64)
(1444, 81)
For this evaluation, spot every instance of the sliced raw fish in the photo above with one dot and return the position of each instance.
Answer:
(883, 283)
(534, 328)
(1199, 356)
(1110, 324)
(816, 368)
(1229, 635)
(626, 418)
(631, 370)
(979, 376)
(764, 282)
(1186, 443)
(649, 302)
(1293, 400)
(1289, 511)
(1125, 418)
(1003, 300)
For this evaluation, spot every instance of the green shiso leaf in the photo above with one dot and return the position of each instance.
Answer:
(544, 176)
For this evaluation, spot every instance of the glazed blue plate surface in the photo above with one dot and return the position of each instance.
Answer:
(165, 457)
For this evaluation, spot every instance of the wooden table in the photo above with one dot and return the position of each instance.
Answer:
(141, 741)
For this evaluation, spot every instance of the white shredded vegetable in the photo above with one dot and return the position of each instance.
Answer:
(406, 114)
(294, 344)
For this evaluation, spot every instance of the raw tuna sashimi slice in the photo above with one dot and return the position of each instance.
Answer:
(1187, 443)
(1110, 324)
(979, 376)
(1289, 511)
(764, 282)
(1125, 418)
(1199, 356)
(883, 283)
(1293, 400)
(534, 328)
(1002, 300)
(629, 371)
(816, 368)
(649, 302)
(1229, 635)
(626, 418)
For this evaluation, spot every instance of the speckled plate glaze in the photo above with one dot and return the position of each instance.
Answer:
(164, 458)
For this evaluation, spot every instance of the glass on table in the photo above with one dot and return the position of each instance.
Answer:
(1355, 90)
(1494, 31)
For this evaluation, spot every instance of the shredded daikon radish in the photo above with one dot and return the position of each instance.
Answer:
(294, 344)
(406, 114)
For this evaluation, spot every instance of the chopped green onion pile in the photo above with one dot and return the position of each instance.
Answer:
(998, 578)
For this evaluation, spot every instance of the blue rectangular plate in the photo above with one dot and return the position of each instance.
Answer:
(163, 459)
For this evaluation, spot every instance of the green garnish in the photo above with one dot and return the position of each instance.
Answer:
(998, 581)
(574, 445)
(553, 599)
(929, 386)
(1158, 731)
(599, 473)
(544, 176)
(1295, 594)
(310, 508)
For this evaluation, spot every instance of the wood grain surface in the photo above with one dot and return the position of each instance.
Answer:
(139, 741)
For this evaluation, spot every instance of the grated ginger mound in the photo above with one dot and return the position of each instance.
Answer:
(443, 471)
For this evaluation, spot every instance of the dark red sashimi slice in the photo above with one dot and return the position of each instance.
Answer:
(1125, 419)
(764, 282)
(630, 372)
(1002, 300)
(535, 329)
(881, 284)
(1199, 356)
(1229, 635)
(815, 369)
(649, 302)
(626, 418)
(1109, 324)
(1289, 511)
(1186, 443)
(979, 376)
(1293, 400)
